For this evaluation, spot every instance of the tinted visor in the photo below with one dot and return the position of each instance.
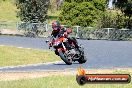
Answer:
(56, 28)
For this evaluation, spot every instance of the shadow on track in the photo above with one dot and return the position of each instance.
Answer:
(66, 64)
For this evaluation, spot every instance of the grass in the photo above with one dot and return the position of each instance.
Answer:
(8, 14)
(53, 13)
(60, 81)
(8, 11)
(12, 56)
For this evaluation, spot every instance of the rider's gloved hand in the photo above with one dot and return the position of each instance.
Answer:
(65, 34)
(50, 44)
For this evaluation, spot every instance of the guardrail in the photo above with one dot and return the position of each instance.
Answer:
(105, 34)
(44, 30)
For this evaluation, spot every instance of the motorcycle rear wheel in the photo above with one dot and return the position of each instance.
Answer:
(64, 58)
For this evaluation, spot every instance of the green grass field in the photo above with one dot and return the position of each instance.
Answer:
(8, 11)
(12, 56)
(56, 82)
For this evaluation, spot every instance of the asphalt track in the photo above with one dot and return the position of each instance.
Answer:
(99, 53)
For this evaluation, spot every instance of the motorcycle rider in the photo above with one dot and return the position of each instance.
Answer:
(58, 30)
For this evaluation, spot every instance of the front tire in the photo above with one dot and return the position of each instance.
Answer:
(64, 58)
(82, 59)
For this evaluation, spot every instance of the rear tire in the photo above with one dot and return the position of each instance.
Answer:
(82, 59)
(64, 58)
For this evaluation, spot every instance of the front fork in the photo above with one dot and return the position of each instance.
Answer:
(62, 49)
(64, 46)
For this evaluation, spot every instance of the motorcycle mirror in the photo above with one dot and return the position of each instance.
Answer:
(47, 41)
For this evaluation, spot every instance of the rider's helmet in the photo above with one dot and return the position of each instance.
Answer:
(56, 26)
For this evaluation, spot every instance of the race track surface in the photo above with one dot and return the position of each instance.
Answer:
(99, 53)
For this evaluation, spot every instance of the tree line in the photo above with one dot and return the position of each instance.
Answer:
(95, 13)
(79, 12)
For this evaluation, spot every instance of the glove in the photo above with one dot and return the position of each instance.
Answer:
(50, 44)
(65, 34)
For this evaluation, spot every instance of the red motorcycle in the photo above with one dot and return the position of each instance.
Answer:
(67, 51)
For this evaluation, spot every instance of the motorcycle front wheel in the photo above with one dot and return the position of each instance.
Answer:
(63, 56)
(82, 59)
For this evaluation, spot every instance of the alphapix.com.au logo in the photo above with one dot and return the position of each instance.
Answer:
(83, 78)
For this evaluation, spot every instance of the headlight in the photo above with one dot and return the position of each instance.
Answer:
(65, 39)
(56, 43)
